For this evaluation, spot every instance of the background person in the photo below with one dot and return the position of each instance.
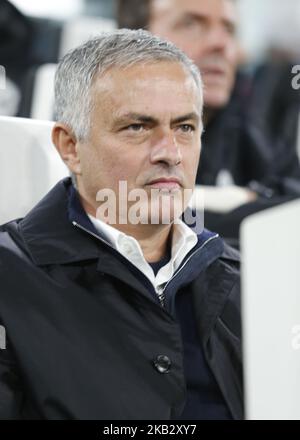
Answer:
(242, 170)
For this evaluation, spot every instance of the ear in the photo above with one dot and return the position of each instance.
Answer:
(67, 146)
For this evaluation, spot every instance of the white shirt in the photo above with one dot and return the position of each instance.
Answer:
(183, 240)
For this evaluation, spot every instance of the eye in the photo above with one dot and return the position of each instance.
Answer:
(230, 28)
(188, 22)
(187, 128)
(135, 127)
(191, 22)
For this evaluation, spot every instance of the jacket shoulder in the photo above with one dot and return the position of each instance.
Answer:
(231, 256)
(11, 242)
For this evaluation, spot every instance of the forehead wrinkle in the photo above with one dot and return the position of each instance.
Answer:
(108, 80)
(113, 92)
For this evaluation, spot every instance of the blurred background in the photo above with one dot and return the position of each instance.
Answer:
(34, 34)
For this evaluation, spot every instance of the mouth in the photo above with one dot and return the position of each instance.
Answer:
(213, 74)
(167, 184)
(214, 70)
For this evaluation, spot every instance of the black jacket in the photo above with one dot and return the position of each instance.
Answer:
(84, 331)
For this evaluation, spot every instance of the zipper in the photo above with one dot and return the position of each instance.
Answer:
(92, 233)
(162, 294)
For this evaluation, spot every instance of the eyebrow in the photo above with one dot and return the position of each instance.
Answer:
(202, 17)
(151, 120)
(188, 117)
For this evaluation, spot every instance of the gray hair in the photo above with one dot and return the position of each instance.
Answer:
(118, 49)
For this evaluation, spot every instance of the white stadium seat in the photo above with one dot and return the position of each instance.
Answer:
(79, 30)
(42, 106)
(29, 165)
(270, 244)
(74, 33)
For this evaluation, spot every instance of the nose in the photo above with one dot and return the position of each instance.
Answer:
(218, 40)
(166, 150)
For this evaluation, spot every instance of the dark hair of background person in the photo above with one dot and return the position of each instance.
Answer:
(137, 20)
(15, 38)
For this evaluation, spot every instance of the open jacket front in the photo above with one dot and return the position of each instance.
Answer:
(85, 330)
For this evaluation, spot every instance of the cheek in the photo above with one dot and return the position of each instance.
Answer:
(193, 51)
(122, 167)
(94, 167)
(233, 55)
(117, 172)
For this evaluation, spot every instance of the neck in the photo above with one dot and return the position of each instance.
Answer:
(154, 240)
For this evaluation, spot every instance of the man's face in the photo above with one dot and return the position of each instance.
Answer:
(205, 30)
(145, 130)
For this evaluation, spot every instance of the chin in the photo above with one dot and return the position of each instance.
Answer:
(166, 212)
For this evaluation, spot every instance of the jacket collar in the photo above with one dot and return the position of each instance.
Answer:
(48, 233)
(51, 237)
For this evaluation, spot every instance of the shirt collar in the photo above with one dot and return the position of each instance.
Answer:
(183, 240)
